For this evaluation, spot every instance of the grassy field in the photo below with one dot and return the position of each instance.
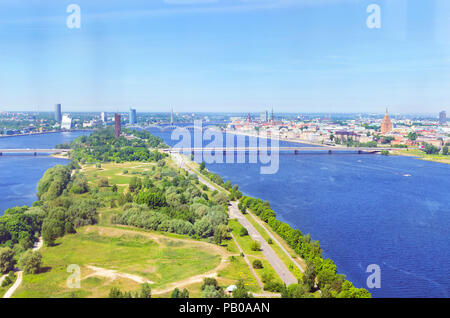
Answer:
(152, 257)
(422, 155)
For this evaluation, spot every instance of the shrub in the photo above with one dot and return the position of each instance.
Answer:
(257, 264)
(255, 246)
(243, 231)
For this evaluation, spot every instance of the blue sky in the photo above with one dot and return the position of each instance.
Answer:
(226, 55)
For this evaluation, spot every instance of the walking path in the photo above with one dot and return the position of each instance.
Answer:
(19, 273)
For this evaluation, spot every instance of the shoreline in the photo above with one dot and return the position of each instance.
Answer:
(44, 133)
(397, 152)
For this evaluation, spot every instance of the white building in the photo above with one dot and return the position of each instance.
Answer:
(66, 122)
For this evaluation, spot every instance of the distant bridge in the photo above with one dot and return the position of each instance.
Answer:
(34, 152)
(286, 150)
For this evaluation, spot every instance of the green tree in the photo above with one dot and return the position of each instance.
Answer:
(241, 291)
(7, 260)
(146, 291)
(445, 150)
(30, 262)
(257, 264)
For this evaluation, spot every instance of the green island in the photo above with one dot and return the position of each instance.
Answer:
(124, 220)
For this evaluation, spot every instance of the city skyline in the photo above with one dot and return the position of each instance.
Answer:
(300, 56)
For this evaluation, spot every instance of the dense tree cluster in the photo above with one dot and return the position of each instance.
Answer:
(101, 146)
(320, 272)
(176, 204)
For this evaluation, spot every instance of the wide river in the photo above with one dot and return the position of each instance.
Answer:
(19, 174)
(364, 209)
(390, 211)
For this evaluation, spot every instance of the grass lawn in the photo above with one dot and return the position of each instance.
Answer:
(160, 259)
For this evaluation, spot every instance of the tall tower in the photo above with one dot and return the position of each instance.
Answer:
(58, 114)
(132, 119)
(442, 118)
(117, 128)
(386, 124)
(171, 116)
(272, 118)
(249, 118)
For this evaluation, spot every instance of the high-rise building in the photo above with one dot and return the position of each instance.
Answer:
(171, 116)
(116, 125)
(58, 114)
(443, 118)
(386, 124)
(66, 122)
(132, 119)
(263, 116)
(104, 117)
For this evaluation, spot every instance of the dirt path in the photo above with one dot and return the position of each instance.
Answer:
(191, 280)
(113, 275)
(19, 273)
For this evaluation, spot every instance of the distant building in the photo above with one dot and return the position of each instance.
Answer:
(117, 129)
(132, 119)
(386, 125)
(66, 122)
(249, 118)
(171, 116)
(104, 117)
(263, 117)
(58, 114)
(443, 118)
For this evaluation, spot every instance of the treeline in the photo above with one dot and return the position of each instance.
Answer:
(175, 203)
(101, 146)
(320, 273)
(56, 213)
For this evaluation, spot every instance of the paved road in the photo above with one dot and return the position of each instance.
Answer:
(278, 265)
(276, 241)
(283, 272)
(18, 281)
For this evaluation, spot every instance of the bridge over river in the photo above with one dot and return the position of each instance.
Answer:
(34, 152)
(281, 150)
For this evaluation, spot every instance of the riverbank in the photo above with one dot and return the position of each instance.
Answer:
(45, 133)
(420, 155)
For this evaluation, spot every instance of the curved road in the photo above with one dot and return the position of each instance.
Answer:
(18, 281)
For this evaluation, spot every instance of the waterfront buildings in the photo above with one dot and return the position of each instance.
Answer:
(58, 115)
(66, 122)
(386, 125)
(104, 117)
(442, 118)
(117, 128)
(133, 118)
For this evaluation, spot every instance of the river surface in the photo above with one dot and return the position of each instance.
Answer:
(391, 211)
(19, 174)
(364, 209)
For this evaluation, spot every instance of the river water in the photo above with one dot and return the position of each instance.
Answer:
(364, 209)
(19, 174)
(391, 211)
